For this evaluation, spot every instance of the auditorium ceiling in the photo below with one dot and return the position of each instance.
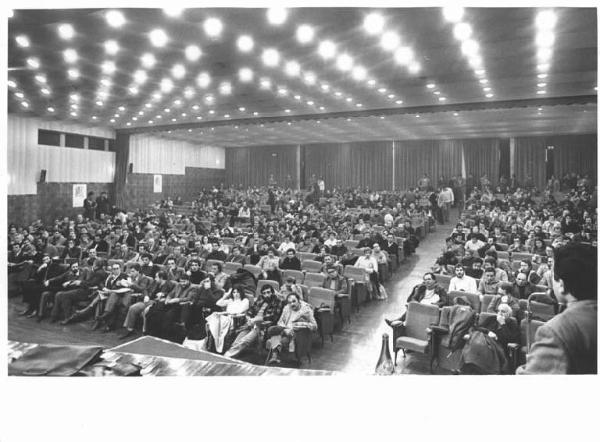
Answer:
(239, 77)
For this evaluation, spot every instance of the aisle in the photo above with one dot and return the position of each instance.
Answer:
(355, 349)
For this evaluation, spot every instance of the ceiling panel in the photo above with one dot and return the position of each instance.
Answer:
(418, 57)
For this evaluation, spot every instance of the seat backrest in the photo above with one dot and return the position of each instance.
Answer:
(263, 282)
(351, 243)
(228, 241)
(305, 255)
(484, 316)
(528, 329)
(501, 247)
(117, 261)
(419, 317)
(485, 303)
(443, 280)
(298, 274)
(355, 273)
(231, 267)
(520, 256)
(255, 270)
(314, 279)
(319, 297)
(305, 290)
(502, 254)
(541, 306)
(472, 297)
(310, 265)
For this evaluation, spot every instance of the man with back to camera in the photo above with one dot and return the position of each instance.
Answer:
(568, 343)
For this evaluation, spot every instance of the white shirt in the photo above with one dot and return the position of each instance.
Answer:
(430, 297)
(284, 246)
(464, 284)
(474, 246)
(367, 263)
(234, 307)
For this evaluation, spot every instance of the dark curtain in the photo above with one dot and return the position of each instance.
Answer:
(436, 158)
(482, 156)
(121, 169)
(252, 166)
(575, 153)
(530, 159)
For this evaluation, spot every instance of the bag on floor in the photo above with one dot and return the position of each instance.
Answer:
(382, 292)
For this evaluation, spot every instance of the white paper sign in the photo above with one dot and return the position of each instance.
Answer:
(79, 194)
(157, 183)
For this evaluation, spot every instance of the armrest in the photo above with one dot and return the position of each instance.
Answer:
(342, 295)
(513, 356)
(437, 329)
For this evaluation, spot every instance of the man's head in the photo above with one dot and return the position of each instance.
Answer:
(367, 251)
(504, 312)
(194, 265)
(290, 253)
(575, 269)
(184, 280)
(171, 263)
(124, 248)
(459, 271)
(521, 279)
(267, 290)
(293, 301)
(477, 263)
(146, 258)
(489, 275)
(525, 266)
(429, 279)
(134, 270)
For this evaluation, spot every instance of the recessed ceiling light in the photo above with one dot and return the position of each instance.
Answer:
(282, 91)
(245, 75)
(193, 52)
(22, 41)
(148, 60)
(108, 67)
(453, 13)
(541, 92)
(327, 49)
(40, 78)
(462, 31)
(106, 82)
(436, 92)
(487, 89)
(414, 67)
(390, 40)
(542, 75)
(403, 55)
(305, 34)
(270, 57)
(541, 85)
(292, 68)
(172, 11)
(66, 31)
(45, 91)
(265, 83)
(255, 113)
(390, 96)
(111, 47)
(287, 111)
(178, 71)
(442, 98)
(277, 16)
(544, 55)
(545, 19)
(469, 47)
(19, 95)
(455, 114)
(344, 62)
(483, 80)
(245, 43)
(166, 85)
(310, 102)
(74, 97)
(226, 115)
(543, 67)
(73, 74)
(490, 95)
(480, 72)
(203, 80)
(359, 73)
(225, 88)
(417, 116)
(209, 99)
(212, 27)
(12, 84)
(140, 76)
(430, 85)
(398, 102)
(115, 19)
(99, 103)
(373, 23)
(158, 38)
(349, 99)
(70, 55)
(382, 90)
(50, 109)
(545, 39)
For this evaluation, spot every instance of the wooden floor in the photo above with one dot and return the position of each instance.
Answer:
(354, 350)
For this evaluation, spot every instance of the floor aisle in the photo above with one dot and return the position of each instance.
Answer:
(354, 350)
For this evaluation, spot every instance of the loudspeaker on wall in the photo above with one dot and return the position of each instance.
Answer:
(43, 176)
(130, 170)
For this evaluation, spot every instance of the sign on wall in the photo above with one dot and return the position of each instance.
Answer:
(157, 183)
(79, 194)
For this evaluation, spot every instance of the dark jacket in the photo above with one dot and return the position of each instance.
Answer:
(418, 294)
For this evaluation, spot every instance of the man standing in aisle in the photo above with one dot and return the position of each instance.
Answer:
(445, 201)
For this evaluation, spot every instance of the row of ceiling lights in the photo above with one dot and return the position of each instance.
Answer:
(544, 41)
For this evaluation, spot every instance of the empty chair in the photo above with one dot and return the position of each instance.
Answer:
(314, 279)
(323, 300)
(298, 274)
(309, 265)
(357, 285)
(485, 302)
(414, 333)
(518, 353)
(541, 306)
(231, 267)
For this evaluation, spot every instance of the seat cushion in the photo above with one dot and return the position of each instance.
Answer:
(414, 344)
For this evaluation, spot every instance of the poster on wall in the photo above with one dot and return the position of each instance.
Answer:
(79, 194)
(157, 183)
